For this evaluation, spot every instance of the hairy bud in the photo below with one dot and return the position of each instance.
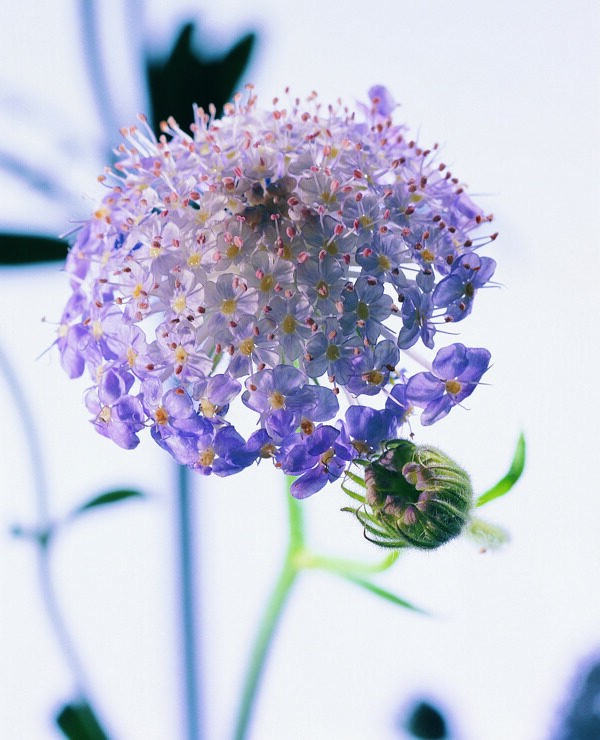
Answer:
(415, 496)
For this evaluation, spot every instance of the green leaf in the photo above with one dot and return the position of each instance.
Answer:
(186, 78)
(78, 722)
(26, 249)
(516, 468)
(378, 591)
(110, 497)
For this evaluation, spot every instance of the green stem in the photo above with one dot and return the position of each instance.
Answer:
(272, 615)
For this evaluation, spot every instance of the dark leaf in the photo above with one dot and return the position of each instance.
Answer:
(78, 722)
(110, 497)
(186, 78)
(581, 718)
(426, 722)
(26, 249)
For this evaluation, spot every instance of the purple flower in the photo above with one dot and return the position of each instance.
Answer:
(366, 306)
(456, 371)
(257, 259)
(369, 427)
(318, 458)
(331, 351)
(456, 291)
(416, 313)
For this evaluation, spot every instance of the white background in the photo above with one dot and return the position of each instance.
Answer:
(510, 90)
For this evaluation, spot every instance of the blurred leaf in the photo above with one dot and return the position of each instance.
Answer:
(488, 536)
(78, 722)
(581, 719)
(427, 722)
(516, 468)
(26, 249)
(33, 534)
(340, 566)
(380, 592)
(186, 78)
(110, 497)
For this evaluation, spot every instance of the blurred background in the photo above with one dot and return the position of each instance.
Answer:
(511, 93)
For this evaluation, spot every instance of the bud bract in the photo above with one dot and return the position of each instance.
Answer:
(415, 496)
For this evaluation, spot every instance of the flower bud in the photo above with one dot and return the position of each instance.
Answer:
(415, 496)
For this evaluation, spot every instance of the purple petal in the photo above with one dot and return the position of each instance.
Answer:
(309, 482)
(436, 410)
(450, 361)
(423, 388)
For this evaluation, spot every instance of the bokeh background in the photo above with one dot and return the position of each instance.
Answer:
(511, 92)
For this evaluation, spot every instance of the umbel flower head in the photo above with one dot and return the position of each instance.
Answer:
(274, 258)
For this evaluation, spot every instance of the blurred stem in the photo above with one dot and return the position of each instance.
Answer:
(290, 569)
(43, 530)
(91, 52)
(185, 541)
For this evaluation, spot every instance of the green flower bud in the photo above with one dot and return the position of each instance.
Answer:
(416, 496)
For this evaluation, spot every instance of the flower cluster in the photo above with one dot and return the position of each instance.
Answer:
(273, 257)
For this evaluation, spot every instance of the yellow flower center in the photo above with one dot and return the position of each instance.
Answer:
(277, 400)
(208, 408)
(453, 386)
(180, 355)
(375, 377)
(161, 415)
(246, 347)
(228, 306)
(207, 457)
(384, 262)
(179, 304)
(289, 324)
(266, 283)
